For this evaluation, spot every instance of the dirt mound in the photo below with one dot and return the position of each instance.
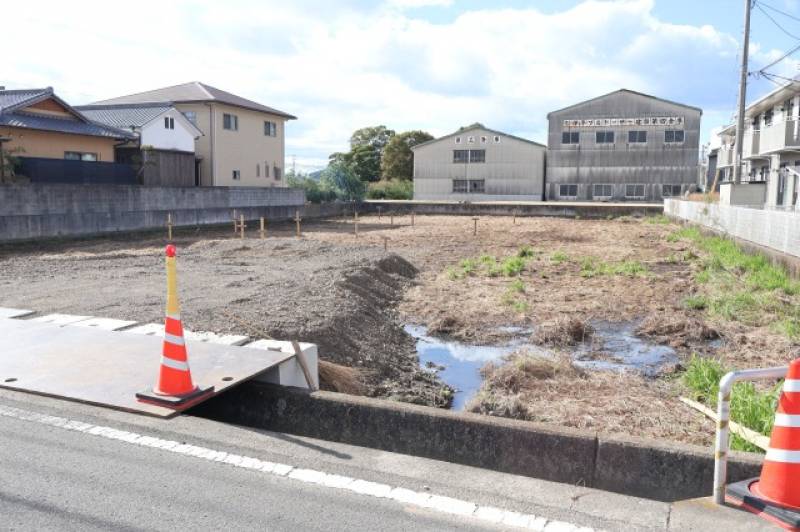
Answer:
(678, 331)
(563, 332)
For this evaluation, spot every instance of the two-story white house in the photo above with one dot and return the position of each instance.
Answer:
(770, 152)
(163, 147)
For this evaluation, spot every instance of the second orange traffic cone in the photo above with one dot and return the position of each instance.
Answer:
(174, 387)
(776, 494)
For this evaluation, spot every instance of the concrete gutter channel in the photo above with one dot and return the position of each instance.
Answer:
(631, 466)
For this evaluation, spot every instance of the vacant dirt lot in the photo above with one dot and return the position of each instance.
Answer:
(347, 294)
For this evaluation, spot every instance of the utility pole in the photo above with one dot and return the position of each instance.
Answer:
(737, 166)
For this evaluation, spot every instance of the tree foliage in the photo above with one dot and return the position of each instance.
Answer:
(398, 159)
(345, 184)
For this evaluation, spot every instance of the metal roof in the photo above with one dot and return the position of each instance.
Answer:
(194, 91)
(123, 117)
(472, 127)
(629, 92)
(12, 114)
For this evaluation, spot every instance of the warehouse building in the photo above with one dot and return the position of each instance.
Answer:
(623, 146)
(478, 164)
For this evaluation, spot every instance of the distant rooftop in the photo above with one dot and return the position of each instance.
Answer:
(194, 91)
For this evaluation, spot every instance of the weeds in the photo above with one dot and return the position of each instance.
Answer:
(590, 267)
(696, 302)
(513, 266)
(558, 257)
(518, 286)
(742, 286)
(749, 407)
(658, 220)
(526, 252)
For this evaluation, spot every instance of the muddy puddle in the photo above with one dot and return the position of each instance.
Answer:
(613, 347)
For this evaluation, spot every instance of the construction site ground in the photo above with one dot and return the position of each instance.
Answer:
(352, 294)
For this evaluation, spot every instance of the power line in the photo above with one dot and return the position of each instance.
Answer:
(781, 58)
(784, 30)
(775, 9)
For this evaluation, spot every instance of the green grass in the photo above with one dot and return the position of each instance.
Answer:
(658, 220)
(517, 285)
(696, 302)
(741, 286)
(526, 252)
(513, 266)
(558, 257)
(591, 267)
(749, 407)
(469, 266)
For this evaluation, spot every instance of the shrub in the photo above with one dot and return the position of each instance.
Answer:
(696, 302)
(394, 189)
(512, 266)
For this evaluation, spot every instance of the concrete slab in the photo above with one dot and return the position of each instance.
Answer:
(60, 319)
(157, 329)
(14, 312)
(107, 368)
(105, 324)
(289, 373)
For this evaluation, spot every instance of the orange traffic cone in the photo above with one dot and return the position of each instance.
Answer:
(175, 387)
(776, 494)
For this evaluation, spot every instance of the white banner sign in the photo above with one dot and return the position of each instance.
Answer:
(644, 121)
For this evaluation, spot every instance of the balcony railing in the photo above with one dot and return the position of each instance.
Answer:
(780, 136)
(725, 157)
(750, 147)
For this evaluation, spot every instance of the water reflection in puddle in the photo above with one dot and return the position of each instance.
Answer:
(613, 347)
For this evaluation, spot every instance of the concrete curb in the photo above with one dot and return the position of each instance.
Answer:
(665, 472)
(552, 208)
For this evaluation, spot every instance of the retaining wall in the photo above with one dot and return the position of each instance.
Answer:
(597, 210)
(773, 232)
(656, 470)
(50, 210)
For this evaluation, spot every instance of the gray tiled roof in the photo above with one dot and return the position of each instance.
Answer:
(63, 126)
(193, 92)
(123, 117)
(12, 114)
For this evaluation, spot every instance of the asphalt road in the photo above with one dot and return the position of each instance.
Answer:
(63, 468)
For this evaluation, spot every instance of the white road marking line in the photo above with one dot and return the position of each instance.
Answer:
(438, 503)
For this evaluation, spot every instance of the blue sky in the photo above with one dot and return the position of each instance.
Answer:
(409, 64)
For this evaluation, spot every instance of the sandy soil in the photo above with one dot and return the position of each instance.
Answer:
(347, 294)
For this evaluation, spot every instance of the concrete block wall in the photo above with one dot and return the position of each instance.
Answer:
(52, 210)
(774, 230)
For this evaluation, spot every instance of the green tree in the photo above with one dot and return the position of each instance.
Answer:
(366, 150)
(398, 159)
(376, 137)
(341, 179)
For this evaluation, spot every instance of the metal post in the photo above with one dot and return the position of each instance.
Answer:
(737, 163)
(723, 417)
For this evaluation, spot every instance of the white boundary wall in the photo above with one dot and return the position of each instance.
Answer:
(779, 230)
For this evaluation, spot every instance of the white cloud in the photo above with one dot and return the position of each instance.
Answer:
(340, 66)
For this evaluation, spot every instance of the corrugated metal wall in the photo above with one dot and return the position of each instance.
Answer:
(652, 164)
(514, 169)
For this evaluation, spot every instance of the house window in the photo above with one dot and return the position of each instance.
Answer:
(756, 123)
(471, 140)
(634, 191)
(230, 122)
(169, 122)
(497, 139)
(484, 139)
(637, 137)
(458, 140)
(603, 190)
(788, 108)
(570, 137)
(604, 137)
(673, 136)
(270, 129)
(236, 175)
(80, 156)
(277, 173)
(460, 156)
(266, 169)
(671, 191)
(568, 191)
(768, 117)
(258, 169)
(477, 186)
(477, 156)
(191, 116)
(459, 186)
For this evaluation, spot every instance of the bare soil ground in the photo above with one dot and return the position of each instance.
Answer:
(347, 294)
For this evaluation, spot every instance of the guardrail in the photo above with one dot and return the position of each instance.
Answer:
(723, 417)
